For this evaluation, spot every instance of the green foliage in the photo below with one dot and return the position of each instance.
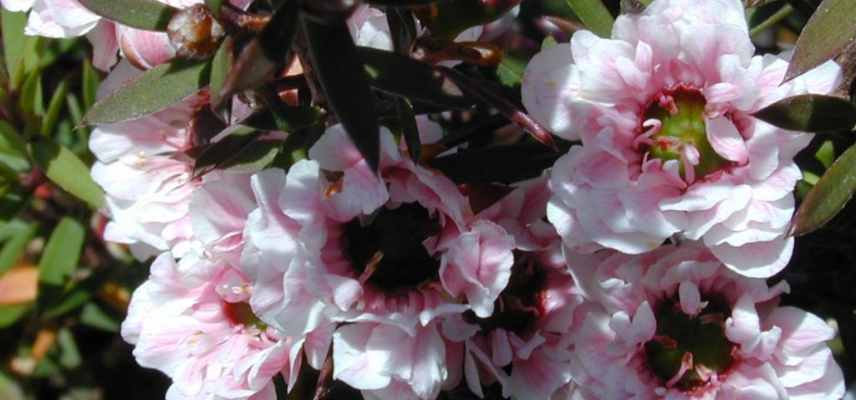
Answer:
(151, 91)
(66, 170)
(829, 195)
(826, 34)
(149, 15)
(62, 252)
(811, 113)
(594, 15)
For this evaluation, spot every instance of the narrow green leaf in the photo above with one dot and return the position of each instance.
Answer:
(94, 316)
(412, 79)
(339, 68)
(152, 91)
(70, 301)
(409, 129)
(594, 15)
(15, 245)
(69, 355)
(63, 168)
(30, 100)
(829, 30)
(829, 195)
(149, 15)
(61, 253)
(54, 108)
(13, 150)
(9, 314)
(241, 151)
(14, 41)
(810, 113)
(220, 66)
(90, 83)
(771, 20)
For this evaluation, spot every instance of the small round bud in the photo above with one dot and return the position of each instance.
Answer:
(194, 32)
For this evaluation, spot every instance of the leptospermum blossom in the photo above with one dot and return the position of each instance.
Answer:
(68, 18)
(389, 253)
(670, 146)
(525, 344)
(192, 321)
(146, 175)
(675, 324)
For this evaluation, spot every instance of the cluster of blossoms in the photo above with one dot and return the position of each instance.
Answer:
(636, 268)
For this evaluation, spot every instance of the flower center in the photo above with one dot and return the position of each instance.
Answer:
(388, 251)
(241, 314)
(688, 350)
(518, 307)
(681, 134)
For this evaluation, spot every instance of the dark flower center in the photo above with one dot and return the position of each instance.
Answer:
(698, 343)
(518, 307)
(242, 314)
(389, 250)
(681, 113)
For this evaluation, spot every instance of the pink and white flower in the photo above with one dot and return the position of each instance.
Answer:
(192, 321)
(146, 175)
(670, 147)
(389, 256)
(525, 344)
(674, 324)
(68, 18)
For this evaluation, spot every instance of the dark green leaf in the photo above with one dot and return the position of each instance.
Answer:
(69, 302)
(91, 80)
(829, 195)
(594, 15)
(829, 30)
(152, 91)
(94, 316)
(149, 15)
(220, 66)
(61, 253)
(9, 314)
(409, 129)
(13, 150)
(263, 56)
(340, 70)
(810, 113)
(30, 100)
(504, 164)
(415, 80)
(244, 150)
(63, 168)
(14, 246)
(54, 108)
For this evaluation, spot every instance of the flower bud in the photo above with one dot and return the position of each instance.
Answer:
(194, 32)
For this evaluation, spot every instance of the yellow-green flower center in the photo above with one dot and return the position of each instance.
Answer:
(681, 115)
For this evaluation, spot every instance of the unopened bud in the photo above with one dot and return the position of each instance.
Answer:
(194, 32)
